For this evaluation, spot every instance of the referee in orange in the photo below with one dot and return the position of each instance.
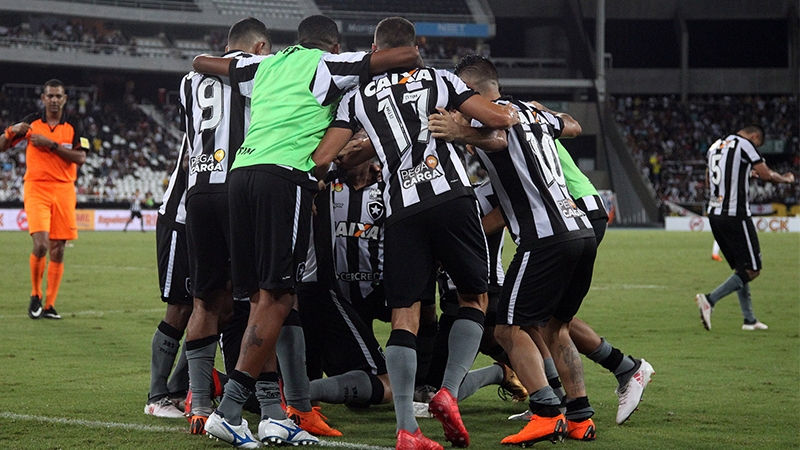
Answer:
(55, 150)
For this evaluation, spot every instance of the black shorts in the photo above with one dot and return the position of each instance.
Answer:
(173, 264)
(738, 241)
(270, 227)
(135, 214)
(547, 282)
(208, 235)
(373, 306)
(448, 298)
(336, 337)
(449, 233)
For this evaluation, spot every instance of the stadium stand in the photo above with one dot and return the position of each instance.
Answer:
(130, 150)
(278, 9)
(450, 7)
(669, 139)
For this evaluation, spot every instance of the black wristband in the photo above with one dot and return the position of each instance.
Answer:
(53, 146)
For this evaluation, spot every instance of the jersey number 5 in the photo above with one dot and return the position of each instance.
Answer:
(209, 99)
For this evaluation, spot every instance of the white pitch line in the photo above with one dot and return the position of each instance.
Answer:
(157, 428)
(83, 266)
(93, 313)
(89, 423)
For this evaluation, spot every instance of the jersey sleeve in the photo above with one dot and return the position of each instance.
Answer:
(79, 140)
(346, 113)
(337, 73)
(243, 72)
(555, 121)
(749, 152)
(458, 90)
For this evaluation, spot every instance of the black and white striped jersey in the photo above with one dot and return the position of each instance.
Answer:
(729, 163)
(216, 121)
(358, 219)
(173, 204)
(529, 182)
(420, 172)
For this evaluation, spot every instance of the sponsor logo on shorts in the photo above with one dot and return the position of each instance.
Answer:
(207, 163)
(359, 276)
(359, 230)
(421, 173)
(301, 269)
(568, 209)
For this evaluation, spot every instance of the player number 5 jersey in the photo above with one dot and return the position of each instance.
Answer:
(729, 163)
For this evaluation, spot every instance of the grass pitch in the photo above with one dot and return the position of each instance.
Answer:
(81, 383)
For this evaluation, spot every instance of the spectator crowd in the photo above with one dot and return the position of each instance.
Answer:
(670, 138)
(126, 145)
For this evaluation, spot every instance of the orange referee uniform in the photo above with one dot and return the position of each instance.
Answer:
(50, 180)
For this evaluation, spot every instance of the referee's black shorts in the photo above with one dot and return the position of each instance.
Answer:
(449, 233)
(270, 228)
(738, 241)
(545, 282)
(173, 264)
(208, 235)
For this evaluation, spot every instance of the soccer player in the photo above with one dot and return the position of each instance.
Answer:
(136, 210)
(217, 118)
(55, 150)
(430, 215)
(294, 94)
(173, 275)
(552, 268)
(729, 163)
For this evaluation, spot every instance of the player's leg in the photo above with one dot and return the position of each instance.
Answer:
(715, 251)
(752, 269)
(405, 246)
(461, 247)
(62, 228)
(208, 237)
(37, 209)
(577, 268)
(270, 224)
(518, 315)
(351, 356)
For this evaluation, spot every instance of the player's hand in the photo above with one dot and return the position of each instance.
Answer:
(20, 129)
(789, 177)
(43, 143)
(514, 114)
(443, 125)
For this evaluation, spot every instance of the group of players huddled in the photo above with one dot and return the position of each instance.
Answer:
(318, 191)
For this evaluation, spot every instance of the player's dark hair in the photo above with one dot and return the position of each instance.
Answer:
(318, 32)
(248, 31)
(754, 128)
(477, 67)
(393, 32)
(55, 82)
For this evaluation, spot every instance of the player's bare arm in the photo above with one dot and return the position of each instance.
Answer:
(213, 65)
(572, 128)
(491, 115)
(447, 126)
(332, 143)
(45, 144)
(395, 58)
(493, 222)
(767, 174)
